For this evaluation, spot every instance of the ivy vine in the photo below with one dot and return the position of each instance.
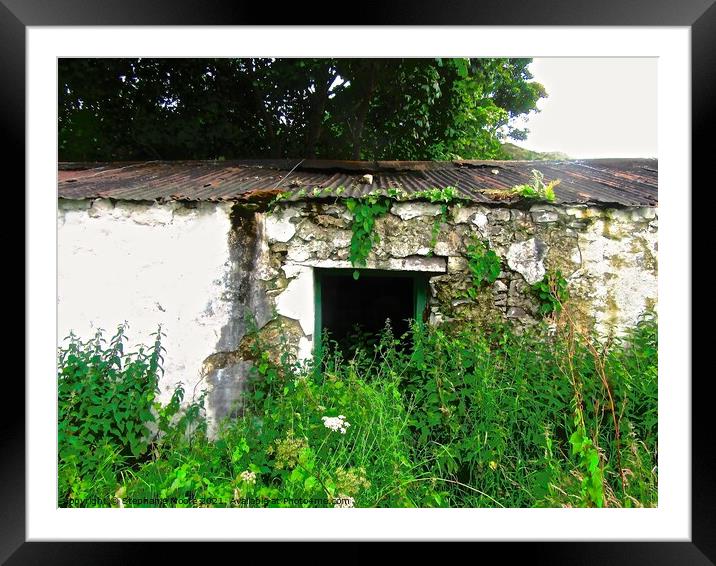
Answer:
(368, 208)
(365, 210)
(442, 196)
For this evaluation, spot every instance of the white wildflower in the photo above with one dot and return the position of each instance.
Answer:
(343, 502)
(337, 424)
(248, 476)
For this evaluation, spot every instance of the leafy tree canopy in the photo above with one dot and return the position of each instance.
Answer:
(412, 109)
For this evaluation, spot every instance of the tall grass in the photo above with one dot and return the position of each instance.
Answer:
(466, 417)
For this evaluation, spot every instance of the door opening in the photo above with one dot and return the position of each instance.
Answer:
(354, 312)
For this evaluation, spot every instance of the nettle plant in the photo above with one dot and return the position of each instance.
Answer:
(106, 395)
(434, 426)
(551, 292)
(484, 265)
(108, 413)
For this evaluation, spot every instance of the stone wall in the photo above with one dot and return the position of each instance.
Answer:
(203, 269)
(607, 255)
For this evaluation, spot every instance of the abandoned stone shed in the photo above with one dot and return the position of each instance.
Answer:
(198, 246)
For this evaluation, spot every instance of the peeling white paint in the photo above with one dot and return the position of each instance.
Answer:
(264, 270)
(462, 214)
(305, 348)
(545, 216)
(480, 220)
(647, 213)
(296, 301)
(298, 253)
(146, 265)
(279, 227)
(619, 272)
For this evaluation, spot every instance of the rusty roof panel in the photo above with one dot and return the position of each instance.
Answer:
(626, 182)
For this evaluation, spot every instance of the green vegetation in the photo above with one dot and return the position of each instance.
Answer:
(469, 417)
(551, 292)
(365, 210)
(442, 196)
(537, 189)
(108, 418)
(434, 195)
(368, 208)
(483, 263)
(512, 151)
(330, 108)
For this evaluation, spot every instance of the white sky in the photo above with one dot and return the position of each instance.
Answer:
(597, 107)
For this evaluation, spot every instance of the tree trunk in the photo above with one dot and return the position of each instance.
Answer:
(318, 108)
(362, 110)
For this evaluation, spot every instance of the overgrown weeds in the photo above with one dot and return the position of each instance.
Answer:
(467, 417)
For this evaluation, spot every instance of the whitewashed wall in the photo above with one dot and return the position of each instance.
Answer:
(148, 264)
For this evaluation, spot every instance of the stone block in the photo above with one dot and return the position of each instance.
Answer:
(526, 258)
(499, 215)
(409, 210)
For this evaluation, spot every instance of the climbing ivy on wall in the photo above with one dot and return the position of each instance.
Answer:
(444, 197)
(365, 210)
(484, 264)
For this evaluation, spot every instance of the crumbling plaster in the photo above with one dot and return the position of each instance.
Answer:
(186, 266)
(147, 264)
(203, 270)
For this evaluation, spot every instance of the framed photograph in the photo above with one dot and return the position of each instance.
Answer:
(181, 206)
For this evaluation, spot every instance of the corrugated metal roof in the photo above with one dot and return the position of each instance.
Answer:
(607, 181)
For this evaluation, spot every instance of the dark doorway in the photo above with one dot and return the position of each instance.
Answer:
(355, 311)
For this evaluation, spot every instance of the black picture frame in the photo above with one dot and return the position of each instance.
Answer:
(698, 15)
